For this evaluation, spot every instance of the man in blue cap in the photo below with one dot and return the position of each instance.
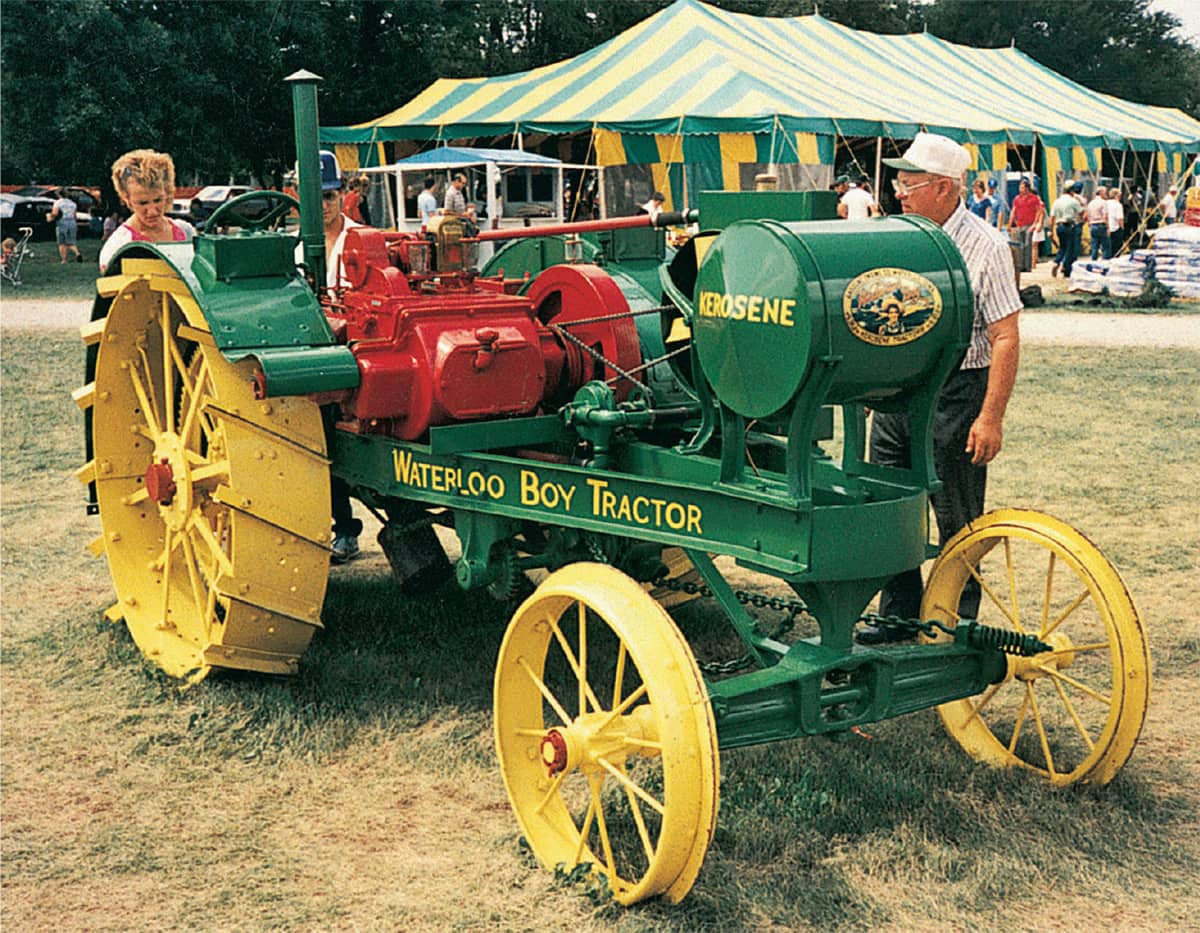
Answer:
(1000, 209)
(335, 220)
(346, 528)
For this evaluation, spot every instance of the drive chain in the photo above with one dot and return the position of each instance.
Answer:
(793, 608)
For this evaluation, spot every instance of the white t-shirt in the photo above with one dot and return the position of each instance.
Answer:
(1116, 215)
(426, 206)
(66, 212)
(858, 204)
(333, 262)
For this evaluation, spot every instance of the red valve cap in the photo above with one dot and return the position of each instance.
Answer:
(160, 482)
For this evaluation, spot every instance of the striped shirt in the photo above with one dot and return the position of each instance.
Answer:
(988, 257)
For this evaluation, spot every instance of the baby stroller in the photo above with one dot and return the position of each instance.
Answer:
(10, 268)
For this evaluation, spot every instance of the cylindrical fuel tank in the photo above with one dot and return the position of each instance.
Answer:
(881, 302)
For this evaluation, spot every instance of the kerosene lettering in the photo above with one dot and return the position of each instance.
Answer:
(753, 309)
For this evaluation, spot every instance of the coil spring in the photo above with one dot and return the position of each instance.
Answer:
(1006, 640)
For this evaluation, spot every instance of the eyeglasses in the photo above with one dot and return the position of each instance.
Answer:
(902, 190)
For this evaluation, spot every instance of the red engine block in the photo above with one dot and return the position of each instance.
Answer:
(435, 348)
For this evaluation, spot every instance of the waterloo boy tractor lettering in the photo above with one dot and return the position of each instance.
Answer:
(630, 420)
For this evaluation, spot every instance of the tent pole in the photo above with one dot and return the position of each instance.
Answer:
(600, 189)
(878, 164)
(772, 166)
(402, 223)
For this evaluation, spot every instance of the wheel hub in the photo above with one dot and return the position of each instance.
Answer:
(168, 481)
(599, 735)
(1039, 665)
(160, 482)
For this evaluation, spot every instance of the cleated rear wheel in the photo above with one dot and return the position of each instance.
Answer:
(605, 735)
(214, 504)
(1072, 714)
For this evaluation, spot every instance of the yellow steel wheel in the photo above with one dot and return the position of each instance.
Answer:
(1072, 714)
(605, 734)
(214, 505)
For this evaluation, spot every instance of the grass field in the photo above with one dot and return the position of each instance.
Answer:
(44, 276)
(364, 794)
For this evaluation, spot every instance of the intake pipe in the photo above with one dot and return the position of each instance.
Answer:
(664, 219)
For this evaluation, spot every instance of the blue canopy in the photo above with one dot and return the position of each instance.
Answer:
(446, 156)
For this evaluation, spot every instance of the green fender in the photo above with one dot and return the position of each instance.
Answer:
(257, 305)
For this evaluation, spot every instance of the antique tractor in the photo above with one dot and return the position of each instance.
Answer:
(632, 421)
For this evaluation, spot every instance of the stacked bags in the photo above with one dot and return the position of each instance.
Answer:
(1123, 278)
(1173, 259)
(1177, 259)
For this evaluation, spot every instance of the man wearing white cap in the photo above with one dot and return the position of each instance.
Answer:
(1167, 206)
(967, 429)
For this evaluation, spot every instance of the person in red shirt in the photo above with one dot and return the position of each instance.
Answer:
(1028, 214)
(352, 204)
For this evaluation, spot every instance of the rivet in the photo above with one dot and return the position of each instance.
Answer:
(131, 601)
(244, 588)
(114, 536)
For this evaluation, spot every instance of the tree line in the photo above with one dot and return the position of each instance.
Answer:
(83, 80)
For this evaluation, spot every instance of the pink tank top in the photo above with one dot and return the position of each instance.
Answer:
(177, 232)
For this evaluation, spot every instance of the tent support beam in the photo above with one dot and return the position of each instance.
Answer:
(878, 165)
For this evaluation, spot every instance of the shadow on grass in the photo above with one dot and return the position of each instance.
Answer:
(815, 834)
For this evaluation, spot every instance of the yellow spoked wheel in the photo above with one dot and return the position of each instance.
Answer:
(605, 734)
(1072, 714)
(214, 505)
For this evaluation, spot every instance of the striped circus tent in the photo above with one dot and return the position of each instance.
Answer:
(698, 97)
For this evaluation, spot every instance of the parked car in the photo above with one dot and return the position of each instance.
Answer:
(17, 211)
(210, 198)
(87, 200)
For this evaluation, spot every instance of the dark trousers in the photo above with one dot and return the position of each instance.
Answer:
(344, 522)
(1116, 239)
(1099, 235)
(1068, 246)
(963, 485)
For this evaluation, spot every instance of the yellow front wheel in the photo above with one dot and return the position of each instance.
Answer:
(214, 504)
(605, 735)
(1072, 714)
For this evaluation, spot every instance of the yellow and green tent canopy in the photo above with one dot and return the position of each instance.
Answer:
(694, 70)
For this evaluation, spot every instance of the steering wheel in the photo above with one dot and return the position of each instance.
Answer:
(230, 213)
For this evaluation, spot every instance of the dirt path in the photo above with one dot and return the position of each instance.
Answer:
(1038, 327)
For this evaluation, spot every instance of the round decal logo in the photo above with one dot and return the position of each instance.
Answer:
(889, 307)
